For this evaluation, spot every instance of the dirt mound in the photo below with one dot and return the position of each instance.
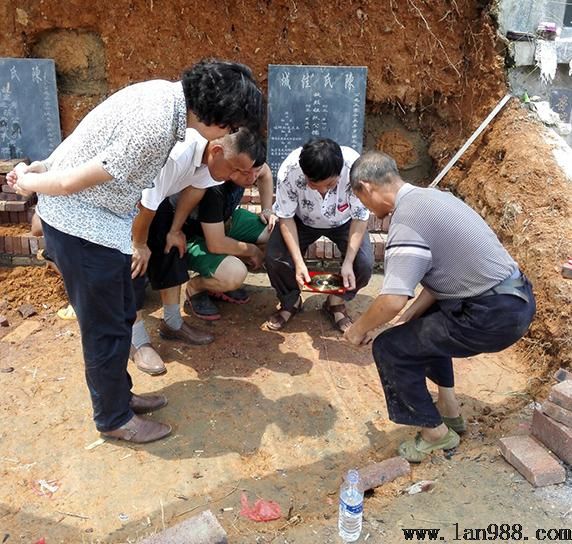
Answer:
(512, 179)
(38, 285)
(14, 229)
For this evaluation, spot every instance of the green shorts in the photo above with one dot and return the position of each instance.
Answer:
(243, 226)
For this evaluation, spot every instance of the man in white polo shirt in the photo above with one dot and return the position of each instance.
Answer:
(474, 300)
(314, 199)
(193, 166)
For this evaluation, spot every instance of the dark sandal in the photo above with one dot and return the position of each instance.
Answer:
(341, 324)
(277, 322)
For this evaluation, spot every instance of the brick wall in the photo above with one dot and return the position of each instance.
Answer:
(22, 249)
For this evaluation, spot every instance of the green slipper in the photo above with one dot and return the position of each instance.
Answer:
(417, 449)
(457, 424)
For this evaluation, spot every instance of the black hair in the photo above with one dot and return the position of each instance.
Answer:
(373, 167)
(224, 94)
(250, 143)
(320, 159)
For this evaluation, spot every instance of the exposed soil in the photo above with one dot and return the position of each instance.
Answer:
(421, 55)
(284, 415)
(512, 179)
(15, 229)
(37, 285)
(280, 416)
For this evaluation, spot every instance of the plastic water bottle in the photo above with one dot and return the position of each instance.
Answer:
(351, 507)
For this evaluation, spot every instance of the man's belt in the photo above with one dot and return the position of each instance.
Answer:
(510, 286)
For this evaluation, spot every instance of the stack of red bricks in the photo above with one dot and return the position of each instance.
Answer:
(324, 249)
(537, 457)
(17, 245)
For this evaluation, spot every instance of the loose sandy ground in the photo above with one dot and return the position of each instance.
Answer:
(278, 415)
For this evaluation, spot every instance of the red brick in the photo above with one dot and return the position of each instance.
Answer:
(16, 206)
(17, 245)
(562, 374)
(337, 252)
(561, 394)
(200, 529)
(557, 412)
(17, 249)
(22, 217)
(373, 224)
(534, 462)
(320, 248)
(25, 243)
(8, 244)
(378, 246)
(555, 436)
(2, 244)
(13, 217)
(312, 251)
(376, 474)
(34, 245)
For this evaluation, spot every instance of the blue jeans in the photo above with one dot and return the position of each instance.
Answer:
(98, 285)
(407, 354)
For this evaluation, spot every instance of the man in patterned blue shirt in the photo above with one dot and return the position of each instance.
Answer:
(87, 195)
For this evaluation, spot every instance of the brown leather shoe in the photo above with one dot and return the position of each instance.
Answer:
(187, 333)
(140, 431)
(148, 360)
(143, 404)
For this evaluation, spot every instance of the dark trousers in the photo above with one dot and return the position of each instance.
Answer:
(281, 269)
(407, 354)
(98, 285)
(165, 270)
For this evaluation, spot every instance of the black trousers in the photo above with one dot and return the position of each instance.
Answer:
(164, 270)
(98, 285)
(407, 354)
(281, 269)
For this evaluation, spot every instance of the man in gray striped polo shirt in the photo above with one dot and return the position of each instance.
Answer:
(474, 300)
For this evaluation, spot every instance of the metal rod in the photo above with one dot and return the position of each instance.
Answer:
(473, 137)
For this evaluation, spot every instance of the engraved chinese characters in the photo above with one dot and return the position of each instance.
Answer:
(29, 117)
(314, 101)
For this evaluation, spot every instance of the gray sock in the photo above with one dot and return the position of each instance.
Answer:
(139, 335)
(172, 316)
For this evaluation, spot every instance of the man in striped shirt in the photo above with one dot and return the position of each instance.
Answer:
(474, 300)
